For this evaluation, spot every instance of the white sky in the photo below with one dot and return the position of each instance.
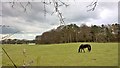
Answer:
(34, 23)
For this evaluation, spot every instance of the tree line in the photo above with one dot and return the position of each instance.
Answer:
(16, 41)
(73, 33)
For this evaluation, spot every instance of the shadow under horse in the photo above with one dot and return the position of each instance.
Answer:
(83, 46)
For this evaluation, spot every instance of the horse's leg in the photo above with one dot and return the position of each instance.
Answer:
(88, 49)
(80, 50)
(84, 50)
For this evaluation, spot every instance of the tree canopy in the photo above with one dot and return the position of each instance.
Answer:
(84, 33)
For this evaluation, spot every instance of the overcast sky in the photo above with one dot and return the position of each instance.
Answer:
(33, 22)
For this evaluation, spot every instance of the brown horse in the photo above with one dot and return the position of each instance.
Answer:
(83, 46)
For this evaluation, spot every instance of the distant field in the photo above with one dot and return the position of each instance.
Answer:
(102, 54)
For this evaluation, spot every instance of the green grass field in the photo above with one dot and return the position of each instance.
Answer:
(102, 54)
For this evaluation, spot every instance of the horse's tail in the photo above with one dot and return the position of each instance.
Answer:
(89, 48)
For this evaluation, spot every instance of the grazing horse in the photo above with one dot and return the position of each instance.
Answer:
(83, 46)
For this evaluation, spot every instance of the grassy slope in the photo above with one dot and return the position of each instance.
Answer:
(102, 54)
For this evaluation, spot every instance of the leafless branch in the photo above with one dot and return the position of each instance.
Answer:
(56, 3)
(92, 5)
(63, 3)
(45, 11)
(25, 6)
(56, 6)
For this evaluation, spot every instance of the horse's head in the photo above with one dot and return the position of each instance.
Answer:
(89, 49)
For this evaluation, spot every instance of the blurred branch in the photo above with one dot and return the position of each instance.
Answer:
(56, 3)
(56, 6)
(9, 57)
(93, 5)
(63, 3)
(25, 6)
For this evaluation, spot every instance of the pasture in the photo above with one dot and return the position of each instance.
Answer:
(102, 54)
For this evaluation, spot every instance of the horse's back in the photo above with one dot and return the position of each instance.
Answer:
(85, 45)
